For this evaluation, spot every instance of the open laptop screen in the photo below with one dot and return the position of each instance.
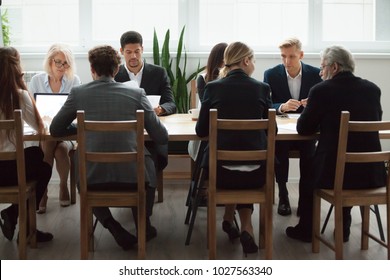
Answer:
(49, 104)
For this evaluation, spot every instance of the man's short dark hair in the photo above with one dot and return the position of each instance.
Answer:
(131, 37)
(105, 60)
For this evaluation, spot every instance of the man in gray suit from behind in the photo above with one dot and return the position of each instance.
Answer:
(105, 99)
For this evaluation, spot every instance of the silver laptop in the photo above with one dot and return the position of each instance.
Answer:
(49, 104)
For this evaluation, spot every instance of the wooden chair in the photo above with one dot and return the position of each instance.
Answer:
(358, 197)
(23, 193)
(262, 196)
(194, 94)
(106, 198)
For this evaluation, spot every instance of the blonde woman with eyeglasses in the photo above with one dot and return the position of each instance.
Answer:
(59, 77)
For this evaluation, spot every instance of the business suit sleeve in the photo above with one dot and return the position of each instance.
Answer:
(268, 101)
(61, 124)
(167, 101)
(270, 79)
(309, 120)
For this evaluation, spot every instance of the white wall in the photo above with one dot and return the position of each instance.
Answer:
(375, 68)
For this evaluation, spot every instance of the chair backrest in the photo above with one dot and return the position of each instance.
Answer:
(269, 125)
(85, 156)
(343, 157)
(15, 126)
(194, 93)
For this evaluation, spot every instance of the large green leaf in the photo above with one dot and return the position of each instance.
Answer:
(165, 56)
(177, 76)
(179, 48)
(196, 73)
(156, 49)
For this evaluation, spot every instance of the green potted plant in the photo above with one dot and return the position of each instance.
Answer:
(176, 72)
(5, 28)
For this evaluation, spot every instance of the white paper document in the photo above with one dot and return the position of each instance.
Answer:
(288, 126)
(154, 100)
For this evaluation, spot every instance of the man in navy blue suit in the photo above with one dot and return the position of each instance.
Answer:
(290, 83)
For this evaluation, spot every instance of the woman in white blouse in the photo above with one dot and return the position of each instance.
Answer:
(59, 77)
(14, 95)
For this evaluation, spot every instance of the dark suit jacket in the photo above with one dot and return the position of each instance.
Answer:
(276, 77)
(155, 81)
(236, 96)
(361, 98)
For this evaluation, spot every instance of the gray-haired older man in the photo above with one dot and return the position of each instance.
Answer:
(340, 91)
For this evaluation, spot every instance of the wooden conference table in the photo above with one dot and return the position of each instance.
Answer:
(182, 128)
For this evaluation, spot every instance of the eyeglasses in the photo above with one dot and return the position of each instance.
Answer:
(59, 64)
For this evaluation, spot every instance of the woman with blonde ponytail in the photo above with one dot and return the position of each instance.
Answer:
(14, 95)
(237, 96)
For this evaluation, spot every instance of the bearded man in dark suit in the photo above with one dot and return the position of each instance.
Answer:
(153, 79)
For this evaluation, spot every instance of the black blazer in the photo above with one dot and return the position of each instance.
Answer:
(344, 92)
(276, 77)
(154, 81)
(237, 96)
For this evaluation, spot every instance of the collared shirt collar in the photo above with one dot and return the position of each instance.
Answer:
(47, 84)
(299, 74)
(135, 77)
(294, 84)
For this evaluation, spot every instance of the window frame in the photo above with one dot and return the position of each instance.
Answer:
(189, 17)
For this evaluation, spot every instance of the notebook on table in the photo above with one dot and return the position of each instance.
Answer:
(49, 104)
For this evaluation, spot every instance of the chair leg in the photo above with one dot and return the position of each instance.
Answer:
(72, 178)
(194, 204)
(379, 220)
(377, 215)
(365, 227)
(315, 246)
(91, 245)
(268, 231)
(23, 224)
(327, 219)
(338, 218)
(211, 228)
(84, 235)
(192, 192)
(195, 171)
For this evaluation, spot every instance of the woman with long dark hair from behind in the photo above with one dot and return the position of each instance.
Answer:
(14, 95)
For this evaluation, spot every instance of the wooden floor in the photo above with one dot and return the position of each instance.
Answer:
(168, 218)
